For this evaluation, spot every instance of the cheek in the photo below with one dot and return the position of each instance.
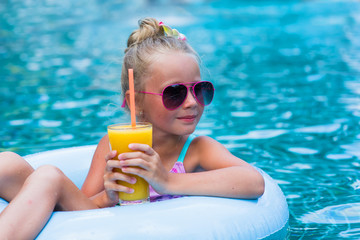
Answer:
(163, 115)
(160, 119)
(151, 103)
(154, 109)
(200, 111)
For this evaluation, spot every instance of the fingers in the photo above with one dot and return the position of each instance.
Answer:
(115, 165)
(143, 156)
(113, 182)
(136, 163)
(110, 155)
(135, 171)
(143, 162)
(112, 164)
(141, 151)
(143, 148)
(111, 186)
(113, 176)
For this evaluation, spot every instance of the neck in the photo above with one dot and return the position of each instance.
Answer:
(161, 140)
(167, 145)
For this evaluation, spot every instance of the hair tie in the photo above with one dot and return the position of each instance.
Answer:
(172, 32)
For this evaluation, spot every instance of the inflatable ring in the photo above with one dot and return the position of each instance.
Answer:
(181, 218)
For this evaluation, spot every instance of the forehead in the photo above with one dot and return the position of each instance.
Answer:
(173, 68)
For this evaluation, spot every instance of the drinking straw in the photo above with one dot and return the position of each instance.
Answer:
(132, 98)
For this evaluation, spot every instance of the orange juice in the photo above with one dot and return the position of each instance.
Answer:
(120, 136)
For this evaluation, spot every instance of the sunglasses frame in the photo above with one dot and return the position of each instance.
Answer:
(193, 84)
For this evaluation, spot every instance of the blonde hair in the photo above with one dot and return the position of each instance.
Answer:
(143, 46)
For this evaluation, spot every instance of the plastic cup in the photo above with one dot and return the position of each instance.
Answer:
(120, 136)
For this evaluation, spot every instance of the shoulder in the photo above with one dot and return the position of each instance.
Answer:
(211, 154)
(205, 144)
(104, 140)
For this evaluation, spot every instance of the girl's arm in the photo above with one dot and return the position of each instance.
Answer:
(100, 184)
(225, 175)
(93, 186)
(94, 182)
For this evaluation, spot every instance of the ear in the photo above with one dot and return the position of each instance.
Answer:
(127, 98)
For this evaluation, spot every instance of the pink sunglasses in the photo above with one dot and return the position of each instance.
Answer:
(174, 95)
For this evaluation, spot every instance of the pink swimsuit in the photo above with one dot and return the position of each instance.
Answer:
(177, 168)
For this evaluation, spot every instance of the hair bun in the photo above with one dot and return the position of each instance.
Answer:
(148, 28)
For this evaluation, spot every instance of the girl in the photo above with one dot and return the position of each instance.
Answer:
(169, 94)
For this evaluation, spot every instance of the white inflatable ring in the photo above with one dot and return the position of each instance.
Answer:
(181, 218)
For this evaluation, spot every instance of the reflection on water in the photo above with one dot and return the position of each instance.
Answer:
(286, 76)
(339, 214)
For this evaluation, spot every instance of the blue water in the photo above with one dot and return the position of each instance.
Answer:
(286, 75)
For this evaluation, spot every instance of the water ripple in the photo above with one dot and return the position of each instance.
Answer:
(339, 156)
(328, 128)
(75, 104)
(351, 233)
(255, 134)
(356, 185)
(353, 149)
(338, 214)
(302, 150)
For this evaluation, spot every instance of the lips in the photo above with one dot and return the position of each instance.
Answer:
(188, 118)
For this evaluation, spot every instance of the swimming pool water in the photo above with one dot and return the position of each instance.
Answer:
(286, 76)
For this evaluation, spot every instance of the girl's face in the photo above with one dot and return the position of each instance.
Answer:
(166, 70)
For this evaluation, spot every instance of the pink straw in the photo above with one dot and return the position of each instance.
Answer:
(132, 98)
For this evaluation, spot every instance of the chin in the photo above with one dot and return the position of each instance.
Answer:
(188, 130)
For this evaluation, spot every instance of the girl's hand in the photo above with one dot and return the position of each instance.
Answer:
(111, 177)
(146, 163)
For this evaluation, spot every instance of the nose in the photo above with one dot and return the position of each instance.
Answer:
(190, 100)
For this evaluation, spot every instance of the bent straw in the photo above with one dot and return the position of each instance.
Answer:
(132, 98)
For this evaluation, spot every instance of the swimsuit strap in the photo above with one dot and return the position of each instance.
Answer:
(185, 148)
